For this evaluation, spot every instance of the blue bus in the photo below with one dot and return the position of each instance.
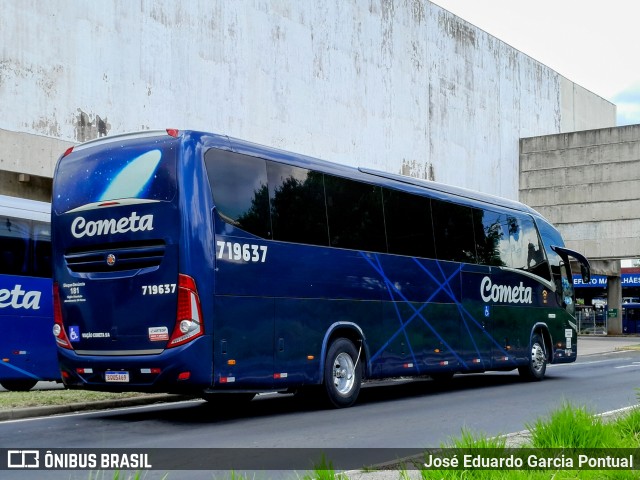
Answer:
(630, 317)
(193, 262)
(28, 350)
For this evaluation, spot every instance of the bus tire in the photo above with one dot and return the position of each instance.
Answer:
(536, 367)
(18, 385)
(342, 373)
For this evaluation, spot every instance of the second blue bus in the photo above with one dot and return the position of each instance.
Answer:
(28, 352)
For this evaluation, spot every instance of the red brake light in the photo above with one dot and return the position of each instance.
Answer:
(67, 151)
(58, 327)
(189, 324)
(174, 132)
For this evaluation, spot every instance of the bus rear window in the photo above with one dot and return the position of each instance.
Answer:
(116, 170)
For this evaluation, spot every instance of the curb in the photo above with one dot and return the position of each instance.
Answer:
(29, 412)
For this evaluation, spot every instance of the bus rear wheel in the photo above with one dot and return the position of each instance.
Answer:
(342, 373)
(18, 385)
(537, 365)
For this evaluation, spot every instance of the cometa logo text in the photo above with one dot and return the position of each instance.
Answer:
(133, 223)
(19, 298)
(504, 293)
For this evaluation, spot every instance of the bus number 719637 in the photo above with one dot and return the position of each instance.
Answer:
(242, 251)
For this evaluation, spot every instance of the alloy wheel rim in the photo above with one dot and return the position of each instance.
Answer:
(343, 373)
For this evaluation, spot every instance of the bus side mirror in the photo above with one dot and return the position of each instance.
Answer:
(585, 269)
(586, 274)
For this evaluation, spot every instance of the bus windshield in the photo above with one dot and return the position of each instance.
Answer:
(134, 170)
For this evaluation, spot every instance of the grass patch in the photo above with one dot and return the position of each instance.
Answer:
(324, 471)
(567, 429)
(573, 428)
(40, 398)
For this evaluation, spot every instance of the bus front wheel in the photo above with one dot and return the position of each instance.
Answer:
(537, 365)
(342, 373)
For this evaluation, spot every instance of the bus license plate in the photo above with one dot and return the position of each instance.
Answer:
(116, 377)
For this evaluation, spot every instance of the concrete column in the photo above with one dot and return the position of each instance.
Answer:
(614, 300)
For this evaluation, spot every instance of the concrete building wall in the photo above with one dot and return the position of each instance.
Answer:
(581, 109)
(398, 85)
(588, 184)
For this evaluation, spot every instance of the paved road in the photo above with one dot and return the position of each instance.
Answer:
(588, 345)
(415, 414)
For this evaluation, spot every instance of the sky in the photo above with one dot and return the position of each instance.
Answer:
(593, 43)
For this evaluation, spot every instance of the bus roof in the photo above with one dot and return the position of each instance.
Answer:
(304, 161)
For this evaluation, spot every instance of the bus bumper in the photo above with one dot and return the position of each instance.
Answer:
(181, 369)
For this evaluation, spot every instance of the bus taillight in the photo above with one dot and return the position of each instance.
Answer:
(189, 315)
(58, 326)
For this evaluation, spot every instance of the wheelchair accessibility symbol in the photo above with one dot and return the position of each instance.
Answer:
(487, 311)
(74, 333)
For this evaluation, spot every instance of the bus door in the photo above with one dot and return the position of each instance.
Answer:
(476, 319)
(489, 345)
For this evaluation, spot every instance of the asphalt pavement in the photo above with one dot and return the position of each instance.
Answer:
(587, 345)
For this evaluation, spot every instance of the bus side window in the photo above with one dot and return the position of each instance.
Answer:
(355, 214)
(532, 258)
(298, 207)
(491, 241)
(14, 246)
(239, 187)
(409, 224)
(454, 235)
(41, 255)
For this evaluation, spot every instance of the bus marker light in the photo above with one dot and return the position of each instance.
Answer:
(227, 379)
(437, 350)
(174, 132)
(408, 365)
(67, 151)
(310, 357)
(153, 371)
(475, 360)
(508, 347)
(19, 352)
(184, 375)
(444, 362)
(231, 362)
(6, 360)
(280, 375)
(82, 371)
